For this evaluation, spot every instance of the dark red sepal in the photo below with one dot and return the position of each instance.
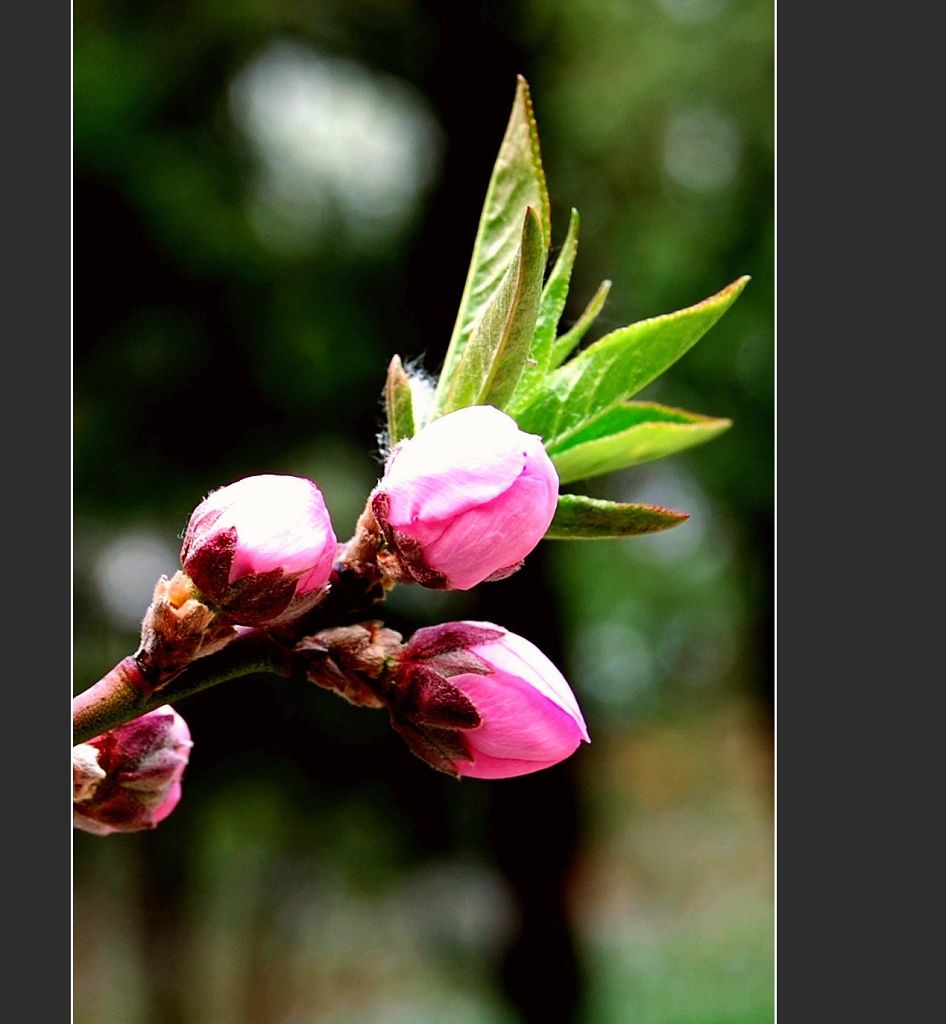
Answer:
(426, 698)
(458, 663)
(440, 748)
(432, 641)
(261, 597)
(406, 552)
(209, 565)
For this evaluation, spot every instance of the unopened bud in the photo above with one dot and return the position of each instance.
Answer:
(261, 549)
(473, 699)
(129, 778)
(465, 500)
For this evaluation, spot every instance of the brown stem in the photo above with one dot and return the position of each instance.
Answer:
(117, 697)
(121, 694)
(125, 692)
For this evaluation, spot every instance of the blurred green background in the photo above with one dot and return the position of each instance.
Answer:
(270, 200)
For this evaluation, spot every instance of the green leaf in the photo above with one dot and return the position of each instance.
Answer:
(578, 517)
(629, 434)
(617, 366)
(517, 181)
(494, 357)
(551, 306)
(563, 346)
(398, 402)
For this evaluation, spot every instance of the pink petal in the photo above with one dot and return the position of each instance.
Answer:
(469, 547)
(518, 721)
(159, 813)
(486, 767)
(519, 658)
(456, 462)
(282, 523)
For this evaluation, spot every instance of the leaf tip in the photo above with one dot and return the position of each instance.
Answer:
(523, 95)
(735, 289)
(532, 218)
(718, 424)
(725, 297)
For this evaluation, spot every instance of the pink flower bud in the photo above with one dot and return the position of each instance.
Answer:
(261, 549)
(466, 499)
(129, 778)
(474, 699)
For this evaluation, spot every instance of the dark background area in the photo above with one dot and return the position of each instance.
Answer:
(269, 201)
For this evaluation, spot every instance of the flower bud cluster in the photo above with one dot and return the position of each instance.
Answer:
(462, 502)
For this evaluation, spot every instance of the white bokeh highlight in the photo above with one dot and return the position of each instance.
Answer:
(125, 572)
(337, 146)
(701, 149)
